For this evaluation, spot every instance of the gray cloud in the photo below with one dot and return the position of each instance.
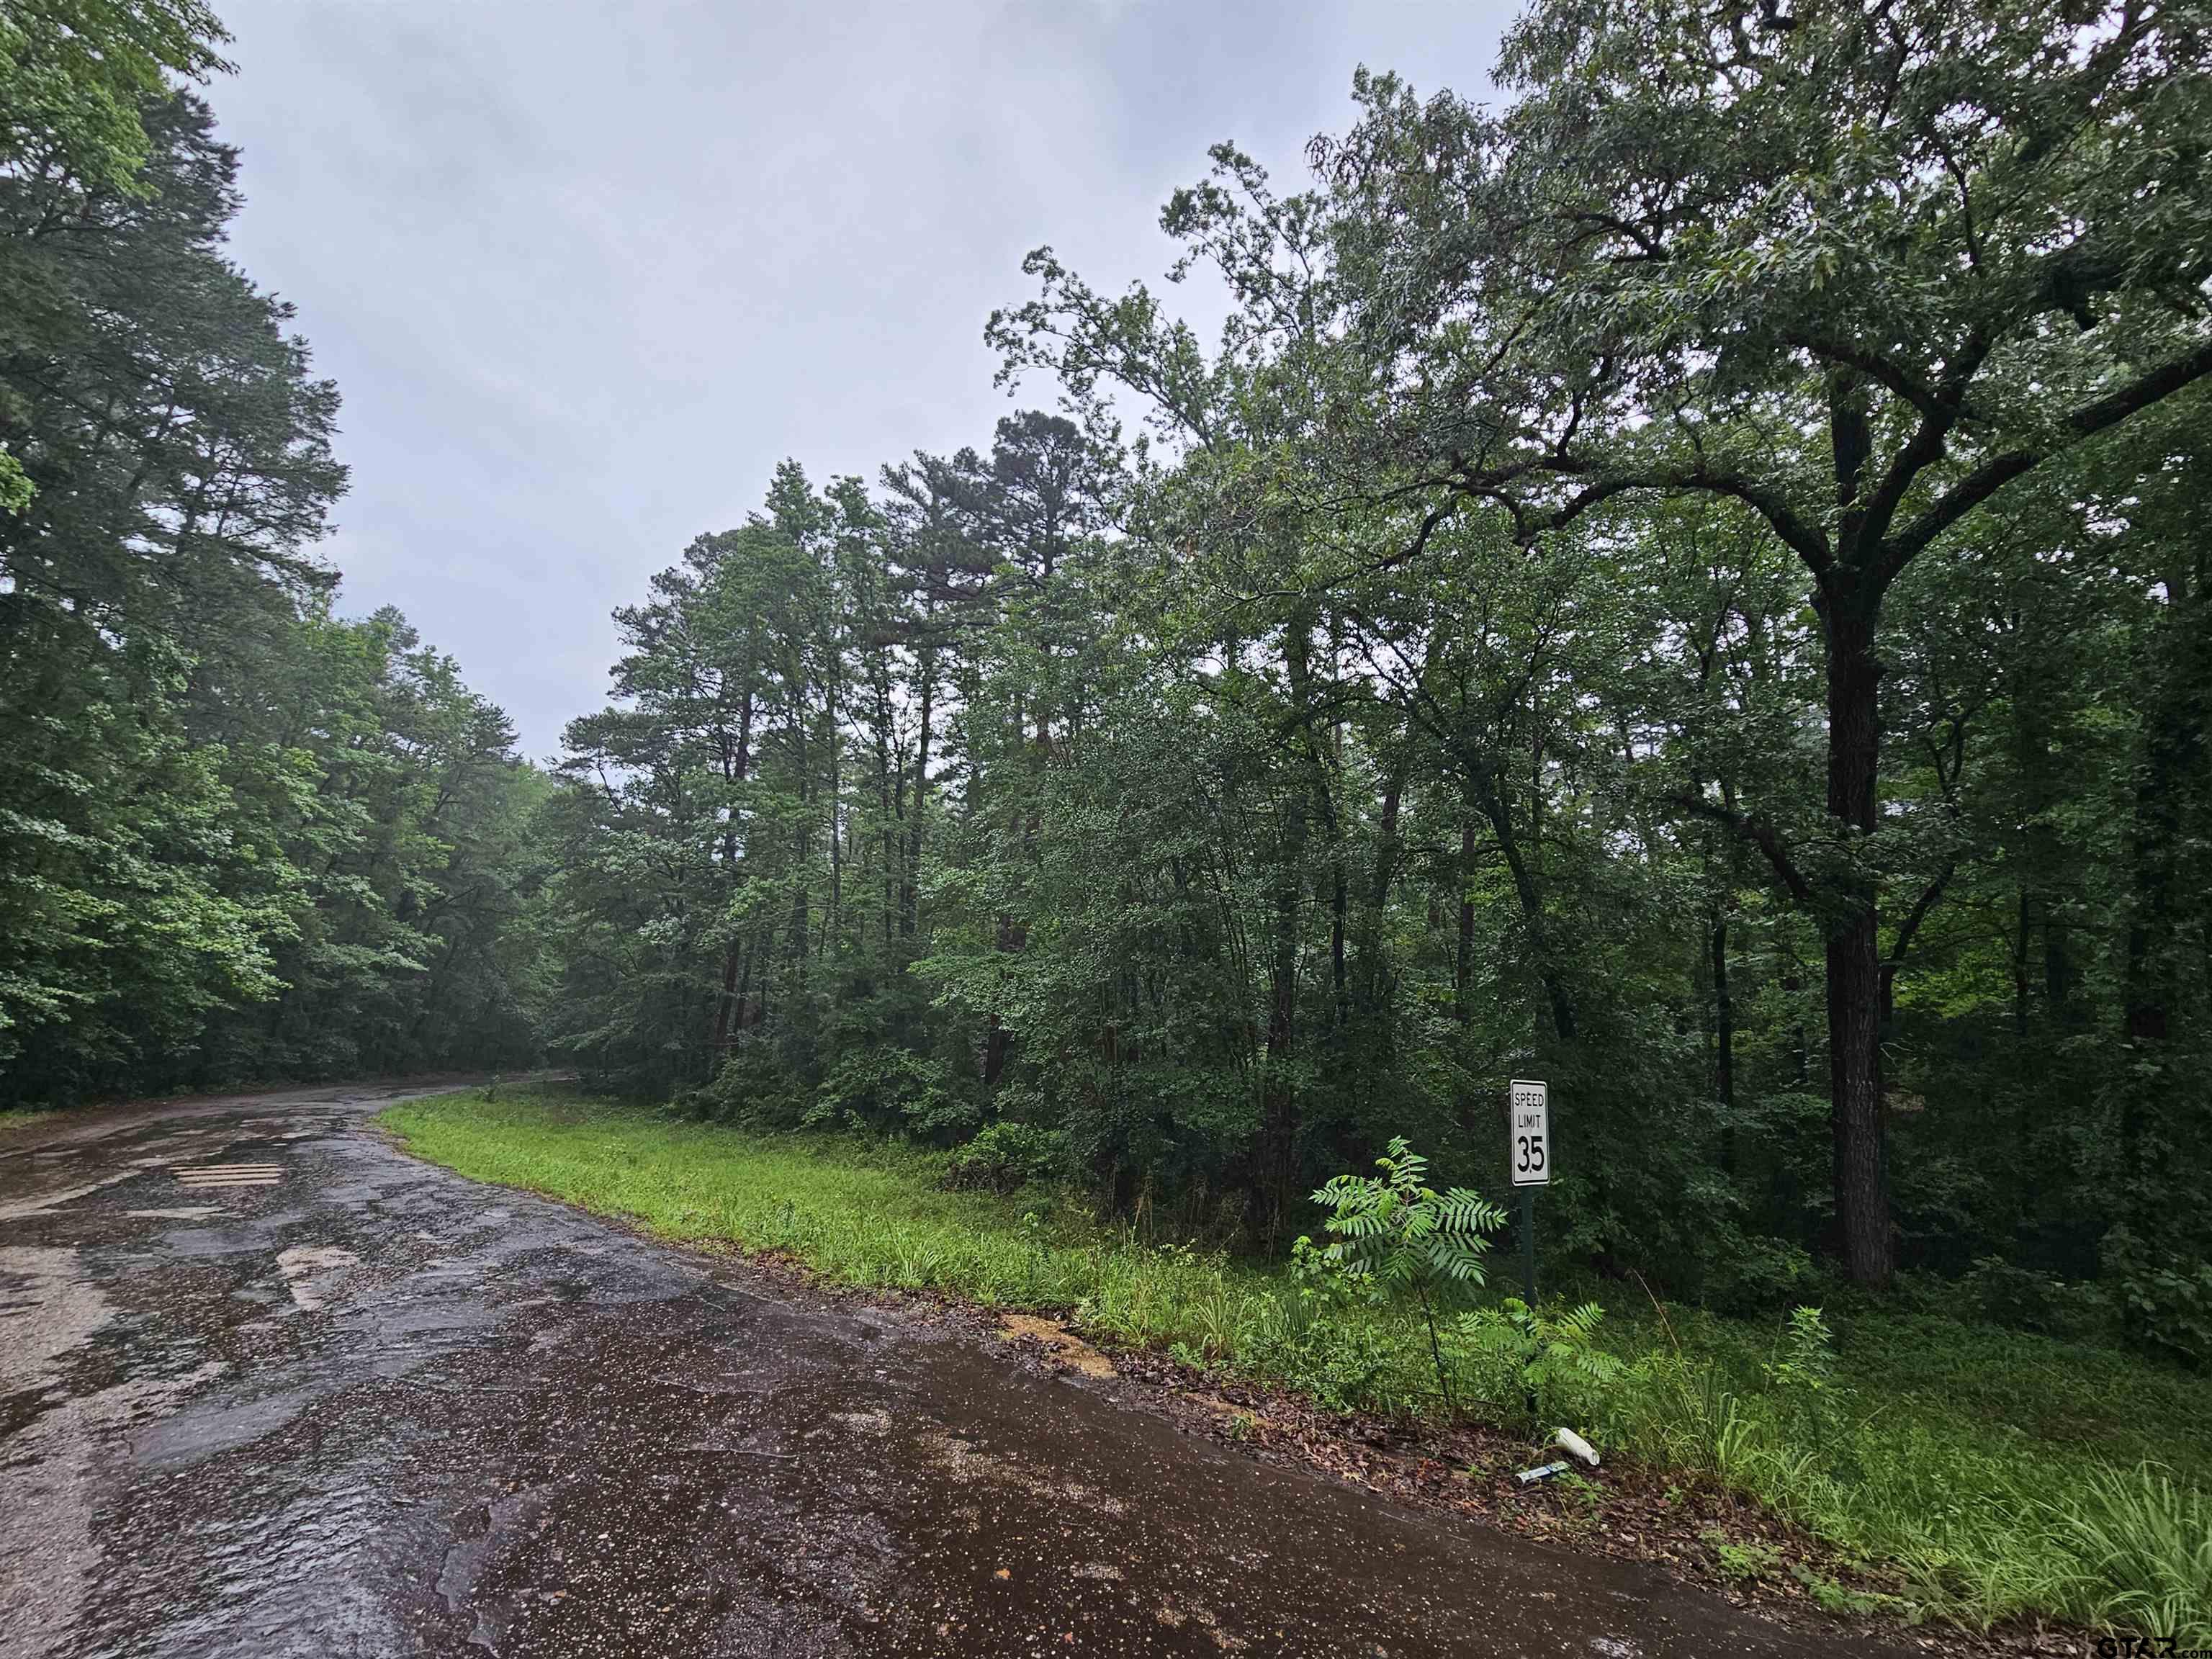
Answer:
(585, 272)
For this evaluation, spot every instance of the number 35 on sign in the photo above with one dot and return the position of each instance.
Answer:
(1531, 1147)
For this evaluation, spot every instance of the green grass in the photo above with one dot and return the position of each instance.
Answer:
(1989, 1473)
(14, 1117)
(856, 1211)
(1985, 1473)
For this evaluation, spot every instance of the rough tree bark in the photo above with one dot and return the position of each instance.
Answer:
(1854, 946)
(2174, 761)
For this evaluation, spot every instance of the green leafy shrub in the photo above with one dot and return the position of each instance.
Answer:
(1321, 1337)
(1802, 1375)
(1004, 1157)
(754, 1086)
(889, 1088)
(1392, 1234)
(1750, 1273)
(2166, 1299)
(1544, 1367)
(2025, 1300)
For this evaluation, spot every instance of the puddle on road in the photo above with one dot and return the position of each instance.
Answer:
(208, 1429)
(965, 1464)
(53, 1310)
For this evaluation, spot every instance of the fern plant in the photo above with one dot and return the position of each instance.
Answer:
(1393, 1234)
(1553, 1357)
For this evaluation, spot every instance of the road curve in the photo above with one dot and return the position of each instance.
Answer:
(368, 1408)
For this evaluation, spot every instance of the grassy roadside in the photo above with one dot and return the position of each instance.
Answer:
(17, 1117)
(1980, 1474)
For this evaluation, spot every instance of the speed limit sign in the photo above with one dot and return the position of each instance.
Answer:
(1530, 1149)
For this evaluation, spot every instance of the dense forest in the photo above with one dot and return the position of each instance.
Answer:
(240, 837)
(1690, 584)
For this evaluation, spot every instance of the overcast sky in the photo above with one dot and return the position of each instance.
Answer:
(585, 270)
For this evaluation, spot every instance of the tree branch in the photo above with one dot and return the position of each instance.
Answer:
(1756, 830)
(1876, 368)
(1985, 480)
(1915, 917)
(1802, 535)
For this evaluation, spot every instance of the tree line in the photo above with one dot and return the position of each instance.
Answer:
(1690, 584)
(240, 837)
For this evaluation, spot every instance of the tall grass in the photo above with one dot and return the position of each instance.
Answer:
(1985, 1472)
(2056, 1502)
(2136, 1552)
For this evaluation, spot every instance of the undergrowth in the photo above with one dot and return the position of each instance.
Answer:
(1985, 1473)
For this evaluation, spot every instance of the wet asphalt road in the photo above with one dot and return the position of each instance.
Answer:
(374, 1409)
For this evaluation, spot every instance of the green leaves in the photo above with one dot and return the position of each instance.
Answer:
(15, 488)
(1547, 1362)
(74, 74)
(1392, 1233)
(1395, 1231)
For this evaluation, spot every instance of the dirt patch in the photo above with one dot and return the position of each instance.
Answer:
(1057, 1342)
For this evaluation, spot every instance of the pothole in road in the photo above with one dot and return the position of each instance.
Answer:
(312, 1272)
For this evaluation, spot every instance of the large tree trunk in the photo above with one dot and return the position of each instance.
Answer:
(1374, 977)
(1279, 1105)
(837, 814)
(725, 1005)
(1463, 955)
(736, 765)
(1556, 998)
(801, 926)
(2171, 771)
(1337, 966)
(1854, 953)
(1275, 1155)
(909, 908)
(1724, 1036)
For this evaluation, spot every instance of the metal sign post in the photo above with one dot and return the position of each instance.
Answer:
(1528, 1146)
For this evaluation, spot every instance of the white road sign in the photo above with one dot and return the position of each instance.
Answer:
(1530, 1149)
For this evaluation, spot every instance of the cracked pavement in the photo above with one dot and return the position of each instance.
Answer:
(372, 1409)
